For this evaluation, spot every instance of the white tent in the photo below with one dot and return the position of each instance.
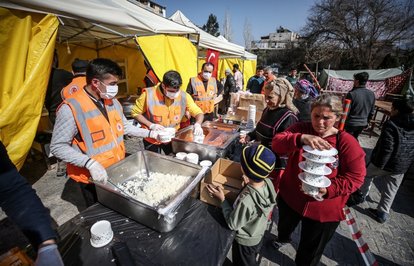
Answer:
(113, 21)
(207, 40)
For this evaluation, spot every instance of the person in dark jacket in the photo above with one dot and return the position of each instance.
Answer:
(362, 105)
(392, 156)
(229, 87)
(59, 78)
(305, 93)
(21, 204)
(255, 83)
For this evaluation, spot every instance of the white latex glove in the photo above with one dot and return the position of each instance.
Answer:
(98, 172)
(198, 131)
(48, 255)
(154, 134)
(156, 127)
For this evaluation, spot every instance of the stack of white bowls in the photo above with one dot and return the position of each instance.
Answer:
(315, 170)
(251, 116)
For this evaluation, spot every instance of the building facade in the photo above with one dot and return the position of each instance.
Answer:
(151, 6)
(279, 40)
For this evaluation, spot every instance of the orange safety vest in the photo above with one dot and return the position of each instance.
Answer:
(150, 77)
(202, 97)
(159, 113)
(100, 139)
(77, 83)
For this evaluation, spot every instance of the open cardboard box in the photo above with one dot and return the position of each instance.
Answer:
(226, 174)
(253, 99)
(243, 112)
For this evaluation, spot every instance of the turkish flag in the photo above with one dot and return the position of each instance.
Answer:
(212, 56)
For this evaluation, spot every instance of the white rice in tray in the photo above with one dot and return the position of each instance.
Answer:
(155, 189)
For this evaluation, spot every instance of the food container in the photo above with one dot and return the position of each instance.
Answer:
(221, 126)
(166, 215)
(216, 143)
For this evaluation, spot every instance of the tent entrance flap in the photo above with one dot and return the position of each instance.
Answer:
(165, 53)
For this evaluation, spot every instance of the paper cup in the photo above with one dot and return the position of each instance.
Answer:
(164, 136)
(192, 158)
(101, 233)
(206, 163)
(181, 155)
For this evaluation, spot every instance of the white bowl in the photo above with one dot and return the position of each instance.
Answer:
(101, 233)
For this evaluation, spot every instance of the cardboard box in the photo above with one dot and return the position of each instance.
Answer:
(243, 113)
(253, 99)
(226, 174)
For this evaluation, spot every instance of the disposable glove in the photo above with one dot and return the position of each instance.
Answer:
(98, 172)
(198, 131)
(156, 127)
(48, 255)
(154, 134)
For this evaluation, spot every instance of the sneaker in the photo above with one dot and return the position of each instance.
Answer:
(379, 216)
(277, 244)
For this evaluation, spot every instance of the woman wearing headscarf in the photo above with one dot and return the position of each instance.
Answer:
(279, 114)
(305, 93)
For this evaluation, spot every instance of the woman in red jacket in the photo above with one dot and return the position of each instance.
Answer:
(319, 218)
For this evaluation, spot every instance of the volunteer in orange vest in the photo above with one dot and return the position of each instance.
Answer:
(204, 88)
(90, 127)
(79, 78)
(164, 106)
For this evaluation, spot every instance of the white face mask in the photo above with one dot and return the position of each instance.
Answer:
(206, 75)
(172, 95)
(111, 91)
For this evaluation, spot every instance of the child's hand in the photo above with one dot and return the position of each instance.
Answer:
(216, 192)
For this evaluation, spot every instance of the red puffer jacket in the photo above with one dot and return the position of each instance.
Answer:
(347, 174)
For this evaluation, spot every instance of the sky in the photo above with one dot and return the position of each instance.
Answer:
(264, 17)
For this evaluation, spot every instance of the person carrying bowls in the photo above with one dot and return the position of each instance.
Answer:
(319, 218)
(164, 106)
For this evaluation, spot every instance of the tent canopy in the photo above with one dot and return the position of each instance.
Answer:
(207, 40)
(110, 21)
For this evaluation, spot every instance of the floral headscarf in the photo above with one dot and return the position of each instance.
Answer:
(306, 88)
(284, 89)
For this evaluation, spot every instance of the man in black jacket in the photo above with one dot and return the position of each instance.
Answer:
(362, 105)
(392, 156)
(20, 202)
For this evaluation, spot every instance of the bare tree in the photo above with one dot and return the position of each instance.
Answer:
(247, 34)
(365, 28)
(227, 31)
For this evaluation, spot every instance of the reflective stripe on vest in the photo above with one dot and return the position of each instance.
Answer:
(204, 99)
(100, 139)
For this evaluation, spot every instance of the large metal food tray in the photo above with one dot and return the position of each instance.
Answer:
(221, 126)
(183, 142)
(162, 218)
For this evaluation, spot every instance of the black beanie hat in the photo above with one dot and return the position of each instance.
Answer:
(257, 162)
(79, 65)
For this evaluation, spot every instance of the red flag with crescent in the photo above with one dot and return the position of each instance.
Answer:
(212, 56)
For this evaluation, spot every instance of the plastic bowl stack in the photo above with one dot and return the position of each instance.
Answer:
(315, 170)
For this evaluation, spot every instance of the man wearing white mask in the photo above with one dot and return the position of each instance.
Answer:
(90, 125)
(204, 88)
(164, 106)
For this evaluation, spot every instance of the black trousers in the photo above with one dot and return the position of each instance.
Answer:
(166, 148)
(314, 235)
(355, 130)
(245, 255)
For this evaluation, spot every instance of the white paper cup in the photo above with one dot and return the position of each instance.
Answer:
(181, 155)
(192, 158)
(206, 163)
(310, 190)
(101, 233)
(164, 136)
(243, 133)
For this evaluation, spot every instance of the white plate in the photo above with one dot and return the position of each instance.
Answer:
(324, 159)
(325, 170)
(330, 152)
(325, 182)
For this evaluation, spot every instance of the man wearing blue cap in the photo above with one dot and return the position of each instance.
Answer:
(253, 206)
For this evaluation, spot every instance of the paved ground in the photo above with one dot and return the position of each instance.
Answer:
(392, 242)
